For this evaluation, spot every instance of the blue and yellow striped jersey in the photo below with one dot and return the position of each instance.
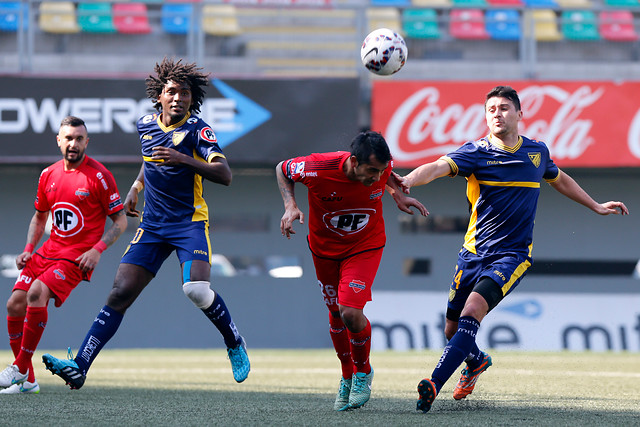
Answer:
(503, 185)
(174, 194)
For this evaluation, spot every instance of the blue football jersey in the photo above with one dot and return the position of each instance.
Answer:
(174, 194)
(503, 186)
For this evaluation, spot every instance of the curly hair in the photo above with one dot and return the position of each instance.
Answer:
(170, 70)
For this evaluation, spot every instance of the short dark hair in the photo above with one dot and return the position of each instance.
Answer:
(367, 143)
(72, 121)
(170, 70)
(504, 92)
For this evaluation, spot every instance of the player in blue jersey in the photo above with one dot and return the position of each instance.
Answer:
(503, 172)
(179, 150)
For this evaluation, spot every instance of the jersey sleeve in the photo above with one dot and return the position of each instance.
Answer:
(41, 203)
(551, 171)
(207, 146)
(110, 195)
(294, 168)
(463, 160)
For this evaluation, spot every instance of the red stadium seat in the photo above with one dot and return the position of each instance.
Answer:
(617, 26)
(467, 24)
(131, 18)
(505, 2)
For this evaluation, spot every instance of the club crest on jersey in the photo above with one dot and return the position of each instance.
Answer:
(208, 135)
(82, 193)
(535, 158)
(348, 221)
(357, 285)
(67, 220)
(59, 274)
(177, 137)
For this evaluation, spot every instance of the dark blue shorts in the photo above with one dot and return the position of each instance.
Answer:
(152, 244)
(505, 269)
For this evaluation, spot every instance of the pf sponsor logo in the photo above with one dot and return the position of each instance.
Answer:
(357, 286)
(348, 221)
(67, 219)
(208, 135)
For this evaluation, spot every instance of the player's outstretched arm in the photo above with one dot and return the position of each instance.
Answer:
(570, 188)
(291, 210)
(36, 230)
(403, 202)
(425, 174)
(89, 260)
(131, 201)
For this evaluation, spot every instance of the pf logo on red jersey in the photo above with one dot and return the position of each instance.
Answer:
(348, 221)
(67, 219)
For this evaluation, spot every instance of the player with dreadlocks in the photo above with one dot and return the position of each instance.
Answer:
(178, 151)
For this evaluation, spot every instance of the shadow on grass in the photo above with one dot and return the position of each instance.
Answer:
(57, 405)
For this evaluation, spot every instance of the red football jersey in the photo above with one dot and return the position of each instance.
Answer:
(345, 217)
(80, 201)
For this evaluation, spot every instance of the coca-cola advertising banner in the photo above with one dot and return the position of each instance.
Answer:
(584, 124)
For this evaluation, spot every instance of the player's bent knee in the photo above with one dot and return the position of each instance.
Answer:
(199, 293)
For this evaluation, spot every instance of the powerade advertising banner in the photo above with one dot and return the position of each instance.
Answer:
(257, 122)
(584, 124)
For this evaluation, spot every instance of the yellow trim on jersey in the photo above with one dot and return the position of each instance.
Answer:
(206, 233)
(518, 273)
(511, 184)
(473, 194)
(166, 129)
(452, 165)
(201, 212)
(504, 147)
(151, 159)
(212, 155)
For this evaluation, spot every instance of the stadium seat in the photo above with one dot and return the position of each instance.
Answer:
(575, 4)
(501, 3)
(420, 23)
(176, 18)
(617, 26)
(467, 24)
(95, 18)
(621, 3)
(390, 2)
(9, 16)
(469, 3)
(58, 17)
(431, 3)
(383, 17)
(579, 25)
(131, 18)
(220, 20)
(545, 25)
(547, 4)
(503, 24)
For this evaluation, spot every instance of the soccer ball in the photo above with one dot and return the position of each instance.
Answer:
(383, 52)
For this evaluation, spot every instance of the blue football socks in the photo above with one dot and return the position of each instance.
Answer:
(219, 315)
(103, 328)
(456, 351)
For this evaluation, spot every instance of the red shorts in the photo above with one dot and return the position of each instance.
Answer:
(60, 276)
(348, 281)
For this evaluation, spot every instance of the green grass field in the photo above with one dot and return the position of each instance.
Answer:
(297, 387)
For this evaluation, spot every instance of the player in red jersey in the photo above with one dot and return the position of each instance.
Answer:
(346, 239)
(80, 193)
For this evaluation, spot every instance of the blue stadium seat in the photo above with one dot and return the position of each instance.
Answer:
(503, 24)
(545, 4)
(176, 17)
(10, 16)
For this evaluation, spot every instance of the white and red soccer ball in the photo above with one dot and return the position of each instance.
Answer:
(383, 52)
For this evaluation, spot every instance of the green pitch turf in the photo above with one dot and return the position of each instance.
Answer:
(297, 388)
